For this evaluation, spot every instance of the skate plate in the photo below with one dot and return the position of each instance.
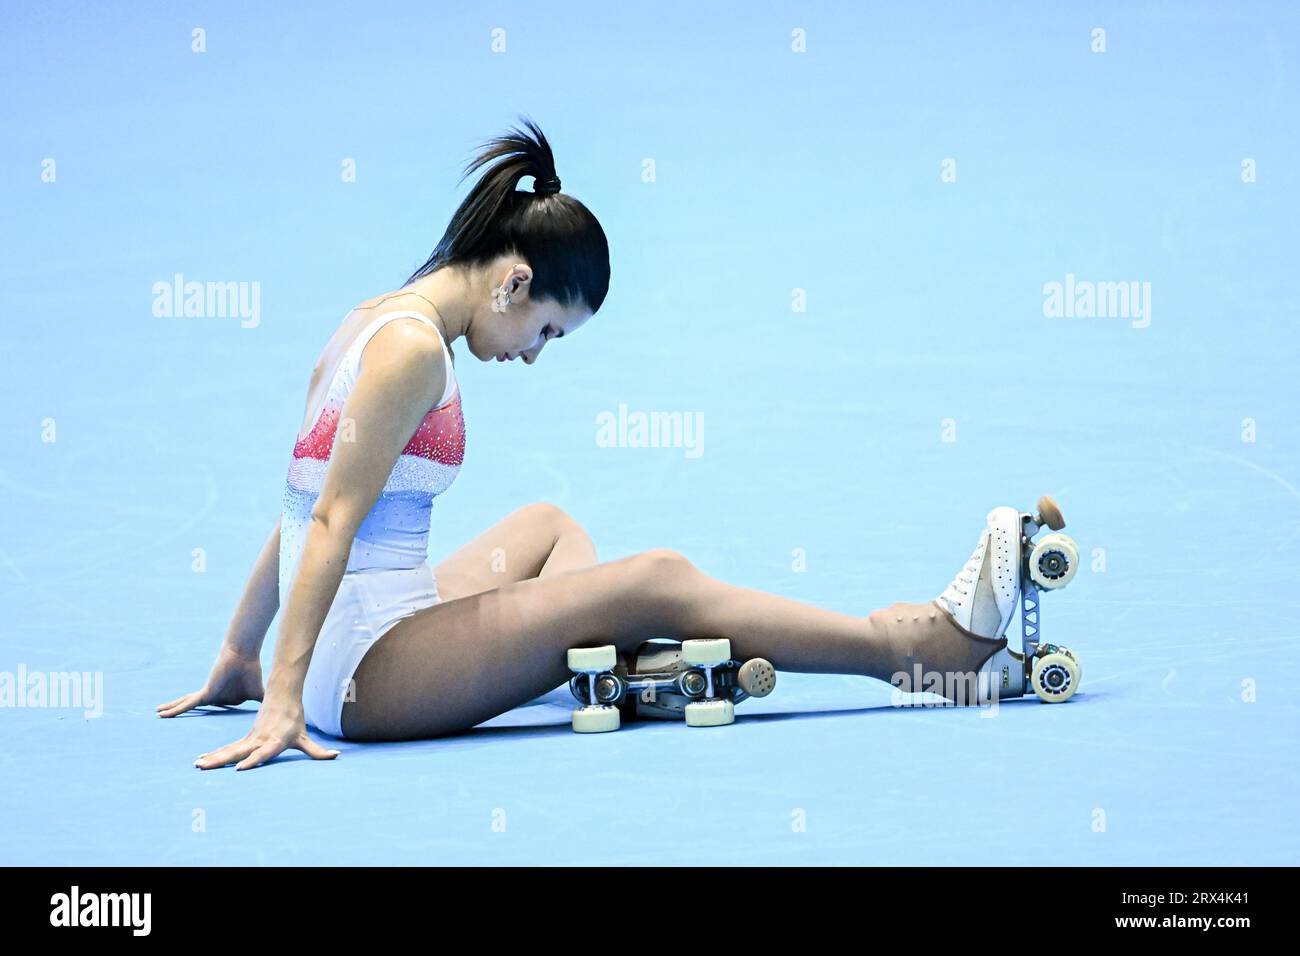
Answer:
(1051, 672)
(697, 681)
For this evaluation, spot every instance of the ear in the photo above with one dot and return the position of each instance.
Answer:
(520, 278)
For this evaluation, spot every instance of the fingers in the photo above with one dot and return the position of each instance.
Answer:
(314, 750)
(227, 754)
(263, 754)
(249, 753)
(180, 705)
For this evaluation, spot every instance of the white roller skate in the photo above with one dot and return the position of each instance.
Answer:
(697, 680)
(1009, 567)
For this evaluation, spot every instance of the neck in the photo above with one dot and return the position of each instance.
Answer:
(449, 291)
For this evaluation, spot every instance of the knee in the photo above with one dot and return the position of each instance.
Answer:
(660, 589)
(663, 568)
(553, 518)
(543, 512)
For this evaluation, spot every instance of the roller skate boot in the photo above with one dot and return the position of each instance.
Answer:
(1016, 569)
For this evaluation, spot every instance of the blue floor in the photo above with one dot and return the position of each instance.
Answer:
(869, 434)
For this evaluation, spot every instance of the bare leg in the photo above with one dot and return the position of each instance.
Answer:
(532, 541)
(456, 664)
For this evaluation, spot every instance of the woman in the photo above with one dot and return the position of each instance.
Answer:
(374, 644)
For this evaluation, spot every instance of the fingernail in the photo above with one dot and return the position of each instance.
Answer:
(336, 752)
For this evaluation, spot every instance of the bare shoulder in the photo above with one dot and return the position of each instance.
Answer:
(407, 355)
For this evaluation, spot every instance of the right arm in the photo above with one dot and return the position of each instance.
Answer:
(236, 676)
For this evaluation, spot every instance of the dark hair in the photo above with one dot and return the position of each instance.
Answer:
(556, 234)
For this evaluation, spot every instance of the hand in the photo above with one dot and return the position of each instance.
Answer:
(233, 680)
(279, 726)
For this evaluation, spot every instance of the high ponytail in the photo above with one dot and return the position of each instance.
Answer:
(557, 235)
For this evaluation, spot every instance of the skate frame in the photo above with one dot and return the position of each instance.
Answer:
(664, 694)
(1011, 669)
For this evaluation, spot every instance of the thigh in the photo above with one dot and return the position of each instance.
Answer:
(456, 664)
(513, 549)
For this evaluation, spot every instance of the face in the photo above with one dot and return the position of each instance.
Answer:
(524, 328)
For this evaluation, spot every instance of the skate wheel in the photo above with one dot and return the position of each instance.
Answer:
(710, 713)
(1049, 513)
(706, 653)
(600, 719)
(1053, 561)
(1056, 677)
(756, 677)
(584, 660)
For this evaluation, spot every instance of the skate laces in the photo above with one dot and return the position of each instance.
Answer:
(963, 584)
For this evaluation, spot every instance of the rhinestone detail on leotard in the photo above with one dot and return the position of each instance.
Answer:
(395, 533)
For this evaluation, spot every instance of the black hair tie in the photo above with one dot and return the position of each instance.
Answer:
(547, 186)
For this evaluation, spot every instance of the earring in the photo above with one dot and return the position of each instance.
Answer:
(500, 299)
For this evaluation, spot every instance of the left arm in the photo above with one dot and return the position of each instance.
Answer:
(401, 375)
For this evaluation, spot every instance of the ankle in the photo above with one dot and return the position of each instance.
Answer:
(925, 636)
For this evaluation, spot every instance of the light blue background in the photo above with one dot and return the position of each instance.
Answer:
(774, 171)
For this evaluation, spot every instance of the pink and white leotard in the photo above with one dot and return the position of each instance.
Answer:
(388, 576)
